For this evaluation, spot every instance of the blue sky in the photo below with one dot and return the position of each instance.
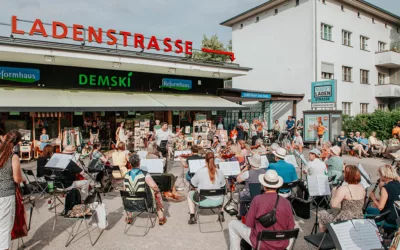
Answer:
(178, 19)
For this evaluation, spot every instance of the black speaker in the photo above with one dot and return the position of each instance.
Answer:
(302, 208)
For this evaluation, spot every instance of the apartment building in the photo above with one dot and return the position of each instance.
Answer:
(292, 43)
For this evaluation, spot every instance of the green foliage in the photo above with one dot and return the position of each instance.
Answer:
(214, 44)
(379, 121)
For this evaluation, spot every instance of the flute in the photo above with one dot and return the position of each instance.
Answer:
(369, 199)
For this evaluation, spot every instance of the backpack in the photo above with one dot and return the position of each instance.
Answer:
(73, 198)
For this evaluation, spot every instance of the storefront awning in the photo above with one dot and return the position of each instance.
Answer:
(34, 100)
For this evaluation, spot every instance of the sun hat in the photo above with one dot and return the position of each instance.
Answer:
(280, 153)
(255, 161)
(336, 150)
(316, 152)
(69, 149)
(270, 179)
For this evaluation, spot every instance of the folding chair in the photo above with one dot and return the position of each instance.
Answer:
(255, 189)
(37, 187)
(115, 181)
(277, 236)
(210, 193)
(292, 194)
(322, 241)
(88, 204)
(137, 202)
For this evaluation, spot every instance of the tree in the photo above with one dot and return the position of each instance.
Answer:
(214, 44)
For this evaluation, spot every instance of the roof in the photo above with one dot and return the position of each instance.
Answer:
(269, 4)
(11, 41)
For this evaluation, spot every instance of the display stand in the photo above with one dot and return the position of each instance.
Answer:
(231, 170)
(201, 128)
(141, 130)
(318, 187)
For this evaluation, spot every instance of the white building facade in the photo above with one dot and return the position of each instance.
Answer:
(291, 43)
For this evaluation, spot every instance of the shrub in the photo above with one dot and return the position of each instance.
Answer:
(380, 121)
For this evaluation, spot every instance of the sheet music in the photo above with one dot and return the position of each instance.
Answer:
(153, 166)
(292, 160)
(230, 168)
(264, 161)
(318, 185)
(357, 234)
(366, 182)
(142, 154)
(303, 159)
(195, 165)
(59, 161)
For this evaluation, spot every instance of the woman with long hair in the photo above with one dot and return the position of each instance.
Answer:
(10, 176)
(121, 133)
(47, 153)
(208, 177)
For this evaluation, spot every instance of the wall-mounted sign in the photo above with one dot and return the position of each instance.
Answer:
(323, 92)
(131, 112)
(255, 95)
(19, 74)
(178, 84)
(213, 112)
(175, 112)
(59, 30)
(105, 81)
(78, 113)
(15, 113)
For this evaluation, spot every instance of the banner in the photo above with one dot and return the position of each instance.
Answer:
(311, 125)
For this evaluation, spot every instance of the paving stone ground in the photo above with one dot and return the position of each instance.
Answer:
(175, 234)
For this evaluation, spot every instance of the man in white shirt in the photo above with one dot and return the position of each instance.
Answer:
(164, 134)
(246, 128)
(315, 166)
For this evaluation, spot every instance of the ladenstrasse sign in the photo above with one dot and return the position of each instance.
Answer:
(23, 75)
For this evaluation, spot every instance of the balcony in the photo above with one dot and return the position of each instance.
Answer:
(387, 59)
(387, 91)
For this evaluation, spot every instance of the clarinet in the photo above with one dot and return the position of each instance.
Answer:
(369, 199)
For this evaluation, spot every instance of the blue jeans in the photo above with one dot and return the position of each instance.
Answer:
(376, 211)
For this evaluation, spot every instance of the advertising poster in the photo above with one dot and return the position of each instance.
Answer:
(311, 124)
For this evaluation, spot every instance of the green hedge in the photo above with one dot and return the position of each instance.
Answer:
(379, 121)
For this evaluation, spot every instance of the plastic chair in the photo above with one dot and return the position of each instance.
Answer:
(36, 185)
(210, 193)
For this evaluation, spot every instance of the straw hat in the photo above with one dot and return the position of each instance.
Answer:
(336, 150)
(270, 179)
(255, 161)
(280, 153)
(69, 149)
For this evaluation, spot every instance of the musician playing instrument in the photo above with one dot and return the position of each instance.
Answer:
(349, 198)
(389, 192)
(259, 148)
(216, 145)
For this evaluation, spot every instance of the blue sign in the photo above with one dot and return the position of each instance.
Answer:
(256, 95)
(324, 91)
(19, 74)
(179, 84)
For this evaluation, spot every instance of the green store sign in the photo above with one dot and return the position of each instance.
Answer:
(105, 81)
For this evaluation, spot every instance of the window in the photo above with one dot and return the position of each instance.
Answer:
(342, 8)
(363, 108)
(373, 20)
(326, 75)
(257, 19)
(346, 74)
(241, 25)
(276, 11)
(326, 32)
(358, 14)
(364, 42)
(297, 2)
(382, 107)
(381, 46)
(381, 78)
(364, 76)
(346, 37)
(346, 108)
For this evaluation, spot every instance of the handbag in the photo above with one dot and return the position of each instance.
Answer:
(269, 219)
(20, 228)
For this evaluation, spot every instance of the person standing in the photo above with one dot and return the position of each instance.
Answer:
(120, 134)
(10, 175)
(44, 139)
(220, 124)
(300, 126)
(164, 134)
(254, 132)
(94, 133)
(321, 129)
(239, 128)
(290, 127)
(246, 128)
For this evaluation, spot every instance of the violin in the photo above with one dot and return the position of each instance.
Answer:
(184, 156)
(215, 144)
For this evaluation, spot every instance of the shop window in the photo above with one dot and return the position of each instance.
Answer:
(326, 32)
(346, 108)
(346, 37)
(346, 74)
(364, 76)
(363, 108)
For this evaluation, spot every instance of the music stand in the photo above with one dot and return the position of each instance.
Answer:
(303, 162)
(318, 187)
(231, 170)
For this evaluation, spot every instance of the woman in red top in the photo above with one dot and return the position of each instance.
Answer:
(233, 134)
